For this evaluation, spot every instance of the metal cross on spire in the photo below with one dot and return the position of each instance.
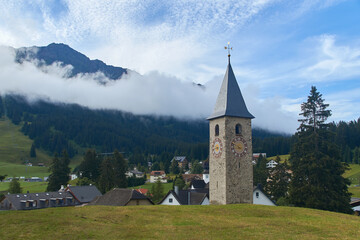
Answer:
(229, 49)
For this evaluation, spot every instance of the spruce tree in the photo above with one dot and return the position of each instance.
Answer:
(33, 151)
(107, 176)
(59, 172)
(120, 168)
(90, 166)
(260, 172)
(317, 180)
(278, 184)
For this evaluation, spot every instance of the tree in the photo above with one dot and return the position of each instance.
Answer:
(107, 177)
(174, 167)
(155, 166)
(196, 168)
(84, 181)
(277, 187)
(90, 166)
(14, 186)
(59, 172)
(356, 155)
(2, 177)
(179, 182)
(157, 191)
(120, 167)
(260, 172)
(32, 151)
(317, 180)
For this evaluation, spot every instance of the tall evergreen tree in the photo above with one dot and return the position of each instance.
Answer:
(279, 178)
(157, 191)
(32, 151)
(317, 180)
(59, 172)
(174, 167)
(107, 177)
(260, 172)
(356, 155)
(120, 167)
(90, 166)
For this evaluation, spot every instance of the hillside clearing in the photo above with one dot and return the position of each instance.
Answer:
(178, 222)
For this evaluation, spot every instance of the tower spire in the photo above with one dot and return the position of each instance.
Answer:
(229, 49)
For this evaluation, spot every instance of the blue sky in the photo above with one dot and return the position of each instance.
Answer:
(280, 48)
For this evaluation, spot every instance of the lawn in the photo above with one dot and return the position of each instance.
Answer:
(32, 187)
(18, 170)
(240, 221)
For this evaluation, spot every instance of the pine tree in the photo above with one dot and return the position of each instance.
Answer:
(59, 172)
(120, 167)
(317, 180)
(107, 177)
(174, 167)
(278, 184)
(260, 172)
(90, 166)
(33, 151)
(196, 168)
(356, 156)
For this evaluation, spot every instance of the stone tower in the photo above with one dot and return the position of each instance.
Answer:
(230, 156)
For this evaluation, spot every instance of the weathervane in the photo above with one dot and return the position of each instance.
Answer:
(228, 48)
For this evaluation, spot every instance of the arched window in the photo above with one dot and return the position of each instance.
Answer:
(238, 129)
(217, 130)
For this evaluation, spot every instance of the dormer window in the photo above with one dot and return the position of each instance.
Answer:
(238, 129)
(217, 130)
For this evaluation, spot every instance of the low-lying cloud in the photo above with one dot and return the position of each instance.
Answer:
(151, 93)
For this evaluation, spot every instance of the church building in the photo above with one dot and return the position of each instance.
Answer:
(231, 169)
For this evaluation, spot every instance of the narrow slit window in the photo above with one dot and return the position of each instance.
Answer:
(238, 129)
(217, 130)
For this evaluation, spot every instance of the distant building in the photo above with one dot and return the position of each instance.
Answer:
(260, 198)
(186, 197)
(271, 164)
(83, 194)
(134, 173)
(158, 175)
(256, 157)
(181, 160)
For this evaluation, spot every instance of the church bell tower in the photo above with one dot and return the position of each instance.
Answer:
(230, 156)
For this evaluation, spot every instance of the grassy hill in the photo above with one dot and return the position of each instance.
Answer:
(178, 222)
(15, 146)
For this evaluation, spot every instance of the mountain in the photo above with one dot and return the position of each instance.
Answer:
(68, 56)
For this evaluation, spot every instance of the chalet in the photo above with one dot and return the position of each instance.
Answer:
(83, 194)
(122, 197)
(260, 198)
(271, 164)
(31, 201)
(186, 197)
(134, 173)
(182, 161)
(158, 175)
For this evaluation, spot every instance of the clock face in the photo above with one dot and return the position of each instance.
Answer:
(239, 146)
(217, 147)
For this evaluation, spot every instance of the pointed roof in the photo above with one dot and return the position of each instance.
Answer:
(230, 101)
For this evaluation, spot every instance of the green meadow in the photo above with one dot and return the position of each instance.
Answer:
(238, 221)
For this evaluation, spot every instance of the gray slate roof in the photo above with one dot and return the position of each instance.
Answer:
(119, 197)
(16, 198)
(190, 196)
(198, 183)
(230, 101)
(84, 194)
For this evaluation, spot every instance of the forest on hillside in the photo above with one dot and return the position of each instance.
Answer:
(57, 126)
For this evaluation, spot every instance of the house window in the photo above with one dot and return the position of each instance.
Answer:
(257, 194)
(238, 129)
(35, 204)
(170, 200)
(217, 130)
(27, 204)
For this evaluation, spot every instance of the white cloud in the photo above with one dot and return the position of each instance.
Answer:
(152, 93)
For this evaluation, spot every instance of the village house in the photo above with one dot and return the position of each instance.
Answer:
(122, 197)
(260, 198)
(83, 194)
(134, 173)
(181, 160)
(158, 176)
(186, 197)
(271, 164)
